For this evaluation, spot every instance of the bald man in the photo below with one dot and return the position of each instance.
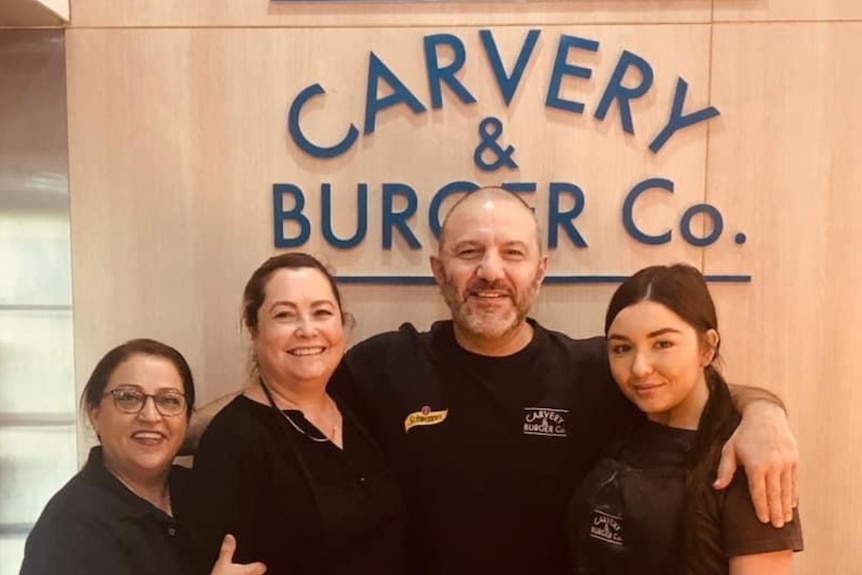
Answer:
(489, 421)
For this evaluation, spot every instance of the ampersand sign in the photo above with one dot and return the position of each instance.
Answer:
(489, 130)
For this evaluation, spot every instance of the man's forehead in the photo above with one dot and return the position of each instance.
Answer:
(485, 217)
(488, 198)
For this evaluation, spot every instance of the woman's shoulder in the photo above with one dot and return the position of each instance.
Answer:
(242, 428)
(71, 499)
(726, 520)
(82, 503)
(66, 529)
(239, 417)
(744, 534)
(81, 530)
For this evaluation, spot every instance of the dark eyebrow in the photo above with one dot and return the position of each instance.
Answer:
(651, 334)
(314, 304)
(140, 389)
(662, 331)
(466, 244)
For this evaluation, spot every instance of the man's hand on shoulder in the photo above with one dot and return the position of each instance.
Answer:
(765, 446)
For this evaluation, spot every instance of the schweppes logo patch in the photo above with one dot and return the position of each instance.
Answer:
(425, 417)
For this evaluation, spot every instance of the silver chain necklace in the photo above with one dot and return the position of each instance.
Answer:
(292, 423)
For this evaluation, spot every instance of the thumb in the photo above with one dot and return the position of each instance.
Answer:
(726, 469)
(228, 546)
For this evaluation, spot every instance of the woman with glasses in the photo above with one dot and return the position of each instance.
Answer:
(123, 513)
(284, 466)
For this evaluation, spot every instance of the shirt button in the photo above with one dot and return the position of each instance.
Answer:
(172, 531)
(361, 480)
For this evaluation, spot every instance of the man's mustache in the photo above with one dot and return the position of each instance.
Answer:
(485, 285)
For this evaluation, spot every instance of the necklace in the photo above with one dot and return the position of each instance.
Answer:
(323, 439)
(332, 408)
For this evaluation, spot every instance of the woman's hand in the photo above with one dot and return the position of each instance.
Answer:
(224, 565)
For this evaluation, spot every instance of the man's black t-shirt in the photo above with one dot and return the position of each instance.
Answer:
(487, 450)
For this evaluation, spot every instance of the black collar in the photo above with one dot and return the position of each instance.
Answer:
(124, 502)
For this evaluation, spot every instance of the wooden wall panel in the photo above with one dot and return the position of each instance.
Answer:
(58, 7)
(796, 10)
(178, 135)
(222, 13)
(786, 159)
(33, 13)
(176, 128)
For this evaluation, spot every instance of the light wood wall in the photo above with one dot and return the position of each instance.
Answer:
(176, 135)
(33, 13)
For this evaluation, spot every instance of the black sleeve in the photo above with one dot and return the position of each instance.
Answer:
(226, 481)
(724, 525)
(69, 542)
(743, 532)
(358, 378)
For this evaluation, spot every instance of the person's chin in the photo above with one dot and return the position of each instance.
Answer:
(156, 462)
(494, 328)
(490, 306)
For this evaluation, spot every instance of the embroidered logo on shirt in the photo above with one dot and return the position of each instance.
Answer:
(607, 528)
(549, 421)
(425, 417)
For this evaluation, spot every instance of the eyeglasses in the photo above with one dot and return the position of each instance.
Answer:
(130, 399)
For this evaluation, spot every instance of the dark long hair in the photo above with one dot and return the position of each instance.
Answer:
(682, 289)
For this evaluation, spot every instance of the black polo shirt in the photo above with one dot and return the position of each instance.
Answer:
(488, 450)
(95, 526)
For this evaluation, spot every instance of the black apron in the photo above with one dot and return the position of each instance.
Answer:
(353, 511)
(624, 520)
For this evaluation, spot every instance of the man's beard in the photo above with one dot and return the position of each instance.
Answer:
(470, 317)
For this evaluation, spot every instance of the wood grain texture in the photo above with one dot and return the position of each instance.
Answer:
(177, 137)
(787, 167)
(177, 134)
(33, 13)
(228, 13)
(792, 10)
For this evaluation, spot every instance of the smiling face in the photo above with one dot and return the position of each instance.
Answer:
(139, 446)
(658, 361)
(299, 337)
(489, 268)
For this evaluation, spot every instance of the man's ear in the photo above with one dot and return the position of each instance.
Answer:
(437, 270)
(541, 270)
(711, 340)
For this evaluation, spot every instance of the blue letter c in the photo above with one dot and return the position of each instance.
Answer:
(304, 143)
(628, 208)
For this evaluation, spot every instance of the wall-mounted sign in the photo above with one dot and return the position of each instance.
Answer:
(493, 152)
